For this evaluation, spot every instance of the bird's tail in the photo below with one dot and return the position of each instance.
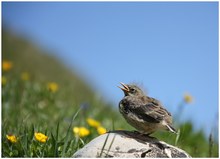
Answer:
(172, 129)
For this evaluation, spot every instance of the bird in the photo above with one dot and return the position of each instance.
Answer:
(144, 113)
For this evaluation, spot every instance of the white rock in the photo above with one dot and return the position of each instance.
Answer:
(128, 144)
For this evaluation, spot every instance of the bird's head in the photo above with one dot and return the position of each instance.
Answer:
(131, 89)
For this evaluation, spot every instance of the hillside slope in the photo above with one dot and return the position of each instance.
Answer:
(42, 68)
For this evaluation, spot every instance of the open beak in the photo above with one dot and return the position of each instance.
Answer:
(124, 87)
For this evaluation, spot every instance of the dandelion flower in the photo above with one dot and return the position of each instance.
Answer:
(52, 87)
(81, 131)
(101, 130)
(40, 137)
(25, 76)
(188, 98)
(93, 123)
(12, 138)
(4, 80)
(6, 65)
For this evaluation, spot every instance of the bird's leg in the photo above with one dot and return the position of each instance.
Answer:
(142, 134)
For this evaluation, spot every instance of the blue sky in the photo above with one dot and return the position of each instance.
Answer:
(168, 48)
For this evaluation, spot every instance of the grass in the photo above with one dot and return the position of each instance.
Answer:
(32, 105)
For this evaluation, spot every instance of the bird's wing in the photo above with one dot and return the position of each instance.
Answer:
(152, 111)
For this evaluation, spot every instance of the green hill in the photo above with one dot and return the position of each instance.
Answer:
(42, 69)
(39, 94)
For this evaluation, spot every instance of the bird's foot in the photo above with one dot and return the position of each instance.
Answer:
(143, 135)
(136, 132)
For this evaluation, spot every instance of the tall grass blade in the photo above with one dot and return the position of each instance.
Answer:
(210, 144)
(111, 144)
(67, 134)
(104, 145)
(177, 137)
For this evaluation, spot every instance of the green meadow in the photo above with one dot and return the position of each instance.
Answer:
(50, 111)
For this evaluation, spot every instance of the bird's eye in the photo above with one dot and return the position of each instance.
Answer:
(132, 90)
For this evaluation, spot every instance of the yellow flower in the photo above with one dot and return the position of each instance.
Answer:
(81, 131)
(52, 86)
(40, 137)
(12, 138)
(188, 98)
(25, 76)
(4, 80)
(93, 123)
(101, 130)
(6, 65)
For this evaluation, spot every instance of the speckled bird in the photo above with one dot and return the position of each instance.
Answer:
(144, 113)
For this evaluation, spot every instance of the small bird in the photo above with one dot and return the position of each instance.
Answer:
(144, 113)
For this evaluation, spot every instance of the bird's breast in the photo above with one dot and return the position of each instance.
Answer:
(123, 107)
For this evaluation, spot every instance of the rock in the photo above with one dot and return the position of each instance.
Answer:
(128, 144)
